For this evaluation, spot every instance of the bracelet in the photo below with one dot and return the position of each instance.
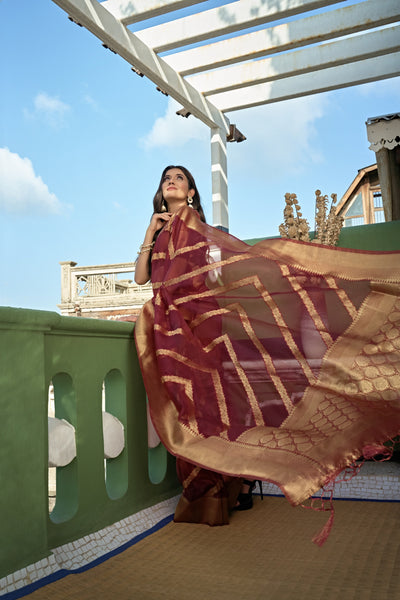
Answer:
(145, 247)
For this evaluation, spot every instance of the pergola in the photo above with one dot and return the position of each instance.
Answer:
(245, 53)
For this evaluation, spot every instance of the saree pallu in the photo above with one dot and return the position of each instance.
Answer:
(278, 361)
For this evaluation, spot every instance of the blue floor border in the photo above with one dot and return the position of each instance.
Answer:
(31, 587)
(335, 498)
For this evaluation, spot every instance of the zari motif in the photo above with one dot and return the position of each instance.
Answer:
(279, 361)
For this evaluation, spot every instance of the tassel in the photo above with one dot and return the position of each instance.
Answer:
(321, 537)
(369, 451)
(324, 504)
(372, 450)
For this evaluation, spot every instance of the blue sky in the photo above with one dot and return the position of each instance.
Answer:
(83, 141)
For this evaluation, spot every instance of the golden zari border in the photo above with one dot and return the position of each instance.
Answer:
(350, 403)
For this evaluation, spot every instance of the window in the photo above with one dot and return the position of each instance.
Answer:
(379, 214)
(354, 215)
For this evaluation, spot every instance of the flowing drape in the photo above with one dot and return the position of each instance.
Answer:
(278, 361)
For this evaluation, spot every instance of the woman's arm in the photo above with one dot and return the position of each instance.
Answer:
(142, 269)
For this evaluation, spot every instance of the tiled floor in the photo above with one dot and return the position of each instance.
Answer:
(263, 554)
(374, 481)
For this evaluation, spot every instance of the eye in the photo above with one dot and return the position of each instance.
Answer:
(180, 177)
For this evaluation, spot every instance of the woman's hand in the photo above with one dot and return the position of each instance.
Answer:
(158, 221)
(142, 269)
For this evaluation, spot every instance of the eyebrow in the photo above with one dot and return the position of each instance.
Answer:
(169, 175)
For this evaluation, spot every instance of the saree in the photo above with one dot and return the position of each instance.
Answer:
(278, 361)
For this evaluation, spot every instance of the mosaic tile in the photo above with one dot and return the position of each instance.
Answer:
(81, 552)
(375, 481)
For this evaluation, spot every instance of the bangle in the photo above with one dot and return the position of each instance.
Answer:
(145, 247)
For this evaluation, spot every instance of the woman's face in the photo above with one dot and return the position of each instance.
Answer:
(175, 187)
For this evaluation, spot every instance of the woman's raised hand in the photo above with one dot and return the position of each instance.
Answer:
(142, 270)
(158, 221)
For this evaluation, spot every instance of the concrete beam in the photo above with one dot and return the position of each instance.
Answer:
(330, 54)
(373, 69)
(289, 36)
(128, 12)
(92, 15)
(224, 20)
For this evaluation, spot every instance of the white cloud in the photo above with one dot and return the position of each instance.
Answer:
(173, 131)
(50, 108)
(21, 190)
(45, 103)
(87, 98)
(281, 137)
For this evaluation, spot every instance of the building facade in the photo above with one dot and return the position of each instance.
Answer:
(362, 202)
(102, 291)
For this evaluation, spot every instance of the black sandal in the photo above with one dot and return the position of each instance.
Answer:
(245, 499)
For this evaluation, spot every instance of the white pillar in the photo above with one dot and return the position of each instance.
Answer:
(219, 179)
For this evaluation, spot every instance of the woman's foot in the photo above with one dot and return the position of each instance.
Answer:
(245, 498)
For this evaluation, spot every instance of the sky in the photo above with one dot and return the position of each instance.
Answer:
(83, 141)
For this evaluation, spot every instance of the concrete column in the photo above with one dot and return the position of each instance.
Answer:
(219, 179)
(384, 134)
(66, 283)
(388, 162)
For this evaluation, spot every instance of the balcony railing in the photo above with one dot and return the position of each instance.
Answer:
(99, 289)
(85, 360)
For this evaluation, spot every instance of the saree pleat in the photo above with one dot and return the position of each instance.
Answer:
(278, 361)
(207, 497)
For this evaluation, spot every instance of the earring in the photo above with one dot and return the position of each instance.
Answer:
(190, 201)
(163, 207)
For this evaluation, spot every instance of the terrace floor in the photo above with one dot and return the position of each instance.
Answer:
(265, 553)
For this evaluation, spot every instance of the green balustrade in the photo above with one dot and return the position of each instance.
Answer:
(79, 356)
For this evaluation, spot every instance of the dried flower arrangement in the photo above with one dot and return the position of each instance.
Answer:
(295, 226)
(327, 228)
(327, 225)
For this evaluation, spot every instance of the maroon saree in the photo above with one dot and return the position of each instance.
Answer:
(279, 361)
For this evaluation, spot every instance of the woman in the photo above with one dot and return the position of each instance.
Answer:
(207, 496)
(224, 348)
(176, 189)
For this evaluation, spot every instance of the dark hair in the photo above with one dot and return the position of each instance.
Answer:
(158, 200)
